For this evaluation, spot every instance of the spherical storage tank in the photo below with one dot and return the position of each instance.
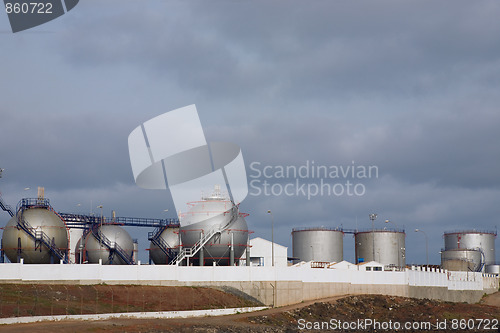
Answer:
(215, 212)
(33, 251)
(170, 238)
(94, 249)
(318, 244)
(384, 246)
(471, 239)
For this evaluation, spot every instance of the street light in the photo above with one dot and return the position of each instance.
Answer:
(272, 236)
(373, 217)
(426, 245)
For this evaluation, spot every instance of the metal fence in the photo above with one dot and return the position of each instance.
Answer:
(20, 300)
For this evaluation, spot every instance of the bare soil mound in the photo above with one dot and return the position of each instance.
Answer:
(288, 319)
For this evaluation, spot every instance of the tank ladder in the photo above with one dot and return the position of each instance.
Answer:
(6, 207)
(155, 238)
(40, 237)
(189, 252)
(112, 246)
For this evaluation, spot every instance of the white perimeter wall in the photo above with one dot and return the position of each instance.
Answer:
(160, 274)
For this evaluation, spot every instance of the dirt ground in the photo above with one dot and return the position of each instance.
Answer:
(19, 300)
(287, 319)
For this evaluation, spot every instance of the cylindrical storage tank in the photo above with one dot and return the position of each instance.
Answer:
(170, 238)
(318, 244)
(79, 254)
(471, 239)
(493, 269)
(94, 249)
(215, 212)
(466, 260)
(74, 238)
(15, 240)
(135, 251)
(383, 246)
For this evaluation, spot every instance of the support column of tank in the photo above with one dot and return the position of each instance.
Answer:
(202, 254)
(180, 249)
(231, 253)
(19, 250)
(247, 251)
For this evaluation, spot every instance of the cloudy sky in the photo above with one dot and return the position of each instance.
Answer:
(411, 87)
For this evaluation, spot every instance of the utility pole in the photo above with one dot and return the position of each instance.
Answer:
(373, 217)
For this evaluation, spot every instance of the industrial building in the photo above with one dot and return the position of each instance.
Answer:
(262, 253)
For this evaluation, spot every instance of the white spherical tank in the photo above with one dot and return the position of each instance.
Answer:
(318, 244)
(384, 246)
(215, 212)
(170, 238)
(472, 239)
(16, 241)
(95, 249)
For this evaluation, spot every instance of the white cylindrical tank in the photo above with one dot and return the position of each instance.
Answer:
(318, 244)
(493, 269)
(16, 241)
(136, 251)
(74, 237)
(384, 246)
(94, 250)
(472, 239)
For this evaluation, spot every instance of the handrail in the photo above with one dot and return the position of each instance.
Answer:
(191, 251)
(6, 207)
(112, 246)
(39, 235)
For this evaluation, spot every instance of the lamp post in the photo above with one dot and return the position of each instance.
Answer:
(272, 236)
(373, 217)
(426, 246)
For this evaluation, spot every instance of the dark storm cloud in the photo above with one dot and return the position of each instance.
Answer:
(297, 50)
(411, 87)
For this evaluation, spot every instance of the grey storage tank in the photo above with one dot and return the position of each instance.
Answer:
(385, 246)
(169, 239)
(215, 212)
(32, 230)
(472, 239)
(116, 247)
(318, 244)
(471, 260)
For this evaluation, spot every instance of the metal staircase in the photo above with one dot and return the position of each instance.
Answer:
(112, 246)
(38, 235)
(190, 252)
(5, 207)
(155, 238)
